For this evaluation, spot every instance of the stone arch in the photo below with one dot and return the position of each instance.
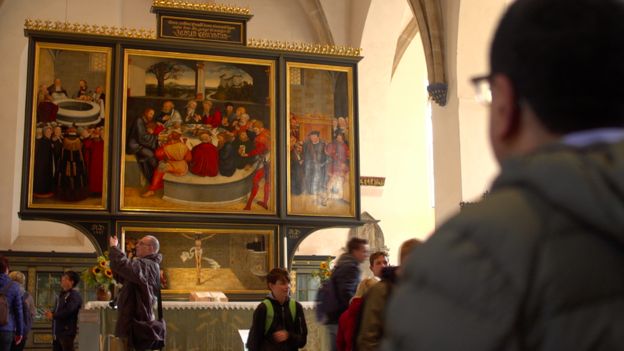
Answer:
(405, 39)
(318, 20)
(428, 14)
(67, 237)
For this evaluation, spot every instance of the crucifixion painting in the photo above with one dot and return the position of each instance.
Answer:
(197, 253)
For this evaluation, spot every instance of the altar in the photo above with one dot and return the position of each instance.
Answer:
(191, 326)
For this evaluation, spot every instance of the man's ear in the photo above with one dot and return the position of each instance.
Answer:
(505, 110)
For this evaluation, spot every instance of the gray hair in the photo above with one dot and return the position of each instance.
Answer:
(155, 243)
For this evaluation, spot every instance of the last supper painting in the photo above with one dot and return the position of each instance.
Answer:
(199, 133)
(68, 154)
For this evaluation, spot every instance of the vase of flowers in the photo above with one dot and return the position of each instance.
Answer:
(103, 293)
(100, 277)
(325, 269)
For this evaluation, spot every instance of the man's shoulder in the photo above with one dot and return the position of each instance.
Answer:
(153, 259)
(512, 207)
(505, 228)
(379, 290)
(74, 293)
(346, 262)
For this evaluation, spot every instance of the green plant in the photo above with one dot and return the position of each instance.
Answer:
(100, 275)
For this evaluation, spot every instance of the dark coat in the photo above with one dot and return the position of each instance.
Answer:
(140, 278)
(346, 276)
(537, 265)
(65, 313)
(371, 328)
(282, 320)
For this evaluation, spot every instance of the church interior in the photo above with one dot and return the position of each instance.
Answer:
(421, 148)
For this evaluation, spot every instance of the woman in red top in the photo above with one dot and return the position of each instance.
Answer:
(348, 319)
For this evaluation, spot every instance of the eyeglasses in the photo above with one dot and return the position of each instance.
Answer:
(483, 90)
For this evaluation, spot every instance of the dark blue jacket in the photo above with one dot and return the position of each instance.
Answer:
(346, 276)
(14, 298)
(65, 319)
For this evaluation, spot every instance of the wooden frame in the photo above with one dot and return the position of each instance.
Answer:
(321, 160)
(208, 257)
(68, 160)
(219, 171)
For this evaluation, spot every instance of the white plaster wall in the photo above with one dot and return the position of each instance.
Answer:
(477, 22)
(276, 20)
(464, 164)
(407, 204)
(446, 147)
(375, 71)
(326, 242)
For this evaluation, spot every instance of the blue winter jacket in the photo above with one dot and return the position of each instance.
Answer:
(346, 276)
(14, 298)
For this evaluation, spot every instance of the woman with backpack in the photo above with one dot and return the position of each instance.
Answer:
(278, 322)
(28, 308)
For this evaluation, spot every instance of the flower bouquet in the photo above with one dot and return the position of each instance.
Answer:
(325, 269)
(100, 275)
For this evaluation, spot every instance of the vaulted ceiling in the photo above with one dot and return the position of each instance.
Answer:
(427, 21)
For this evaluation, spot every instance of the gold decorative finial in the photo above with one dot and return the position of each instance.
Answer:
(67, 27)
(205, 7)
(321, 49)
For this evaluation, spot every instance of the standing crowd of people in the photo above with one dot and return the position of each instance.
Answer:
(18, 310)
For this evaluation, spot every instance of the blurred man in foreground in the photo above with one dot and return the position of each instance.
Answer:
(539, 264)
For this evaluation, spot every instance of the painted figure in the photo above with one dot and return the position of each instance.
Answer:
(197, 252)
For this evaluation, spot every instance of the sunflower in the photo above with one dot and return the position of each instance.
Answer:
(100, 273)
(324, 271)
